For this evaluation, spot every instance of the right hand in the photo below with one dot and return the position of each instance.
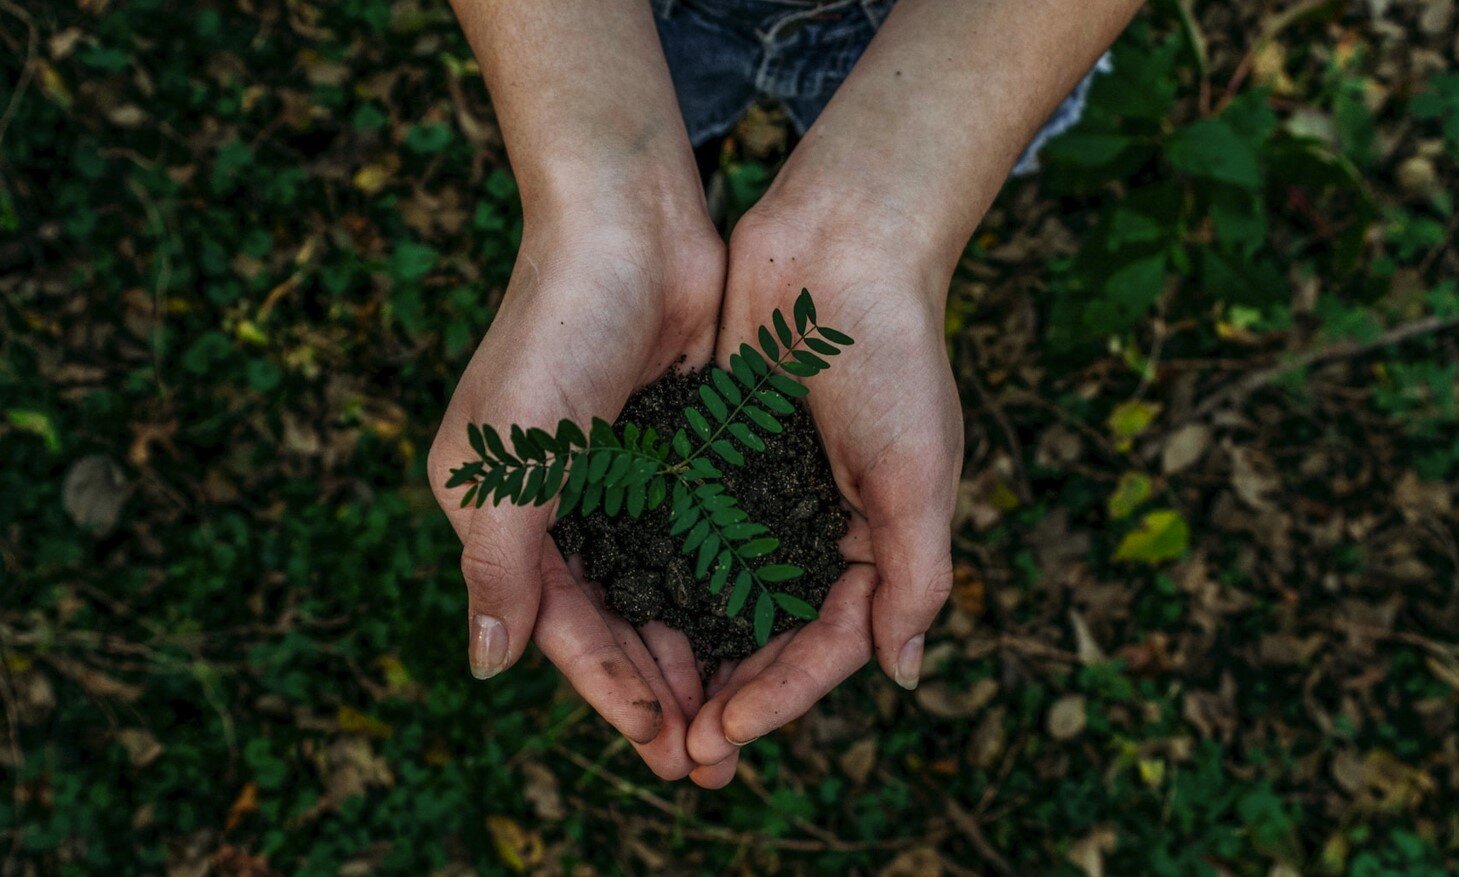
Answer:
(603, 299)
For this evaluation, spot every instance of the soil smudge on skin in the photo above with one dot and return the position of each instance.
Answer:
(788, 487)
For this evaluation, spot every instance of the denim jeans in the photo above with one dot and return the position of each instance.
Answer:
(725, 54)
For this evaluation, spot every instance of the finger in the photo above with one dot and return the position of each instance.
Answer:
(665, 754)
(575, 638)
(707, 742)
(716, 776)
(675, 657)
(820, 657)
(855, 546)
(722, 676)
(914, 562)
(501, 561)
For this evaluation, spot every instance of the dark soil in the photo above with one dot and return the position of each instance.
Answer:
(788, 488)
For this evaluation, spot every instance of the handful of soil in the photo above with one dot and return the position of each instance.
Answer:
(787, 487)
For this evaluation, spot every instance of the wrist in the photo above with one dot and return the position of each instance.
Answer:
(866, 209)
(655, 180)
(847, 232)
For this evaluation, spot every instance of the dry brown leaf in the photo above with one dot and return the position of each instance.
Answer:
(540, 789)
(519, 848)
(950, 702)
(858, 760)
(1067, 717)
(142, 748)
(916, 862)
(1087, 854)
(94, 492)
(1185, 447)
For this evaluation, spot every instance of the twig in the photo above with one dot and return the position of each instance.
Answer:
(1258, 379)
(822, 842)
(1015, 448)
(1438, 249)
(830, 840)
(622, 785)
(1273, 26)
(973, 831)
(27, 69)
(17, 767)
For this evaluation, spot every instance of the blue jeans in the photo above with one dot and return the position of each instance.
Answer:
(724, 54)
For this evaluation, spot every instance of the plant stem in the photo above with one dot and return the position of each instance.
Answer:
(751, 394)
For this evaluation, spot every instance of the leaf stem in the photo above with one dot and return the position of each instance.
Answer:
(749, 396)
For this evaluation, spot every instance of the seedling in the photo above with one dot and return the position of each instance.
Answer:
(629, 470)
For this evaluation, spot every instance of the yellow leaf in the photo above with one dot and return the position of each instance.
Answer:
(1130, 419)
(1162, 535)
(53, 85)
(374, 176)
(518, 848)
(351, 719)
(397, 677)
(1133, 489)
(249, 331)
(1152, 772)
(1002, 497)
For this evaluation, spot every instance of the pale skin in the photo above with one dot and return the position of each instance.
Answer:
(617, 244)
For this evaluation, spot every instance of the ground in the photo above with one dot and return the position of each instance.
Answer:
(1206, 618)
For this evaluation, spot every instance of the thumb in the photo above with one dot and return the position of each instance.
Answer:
(912, 547)
(501, 562)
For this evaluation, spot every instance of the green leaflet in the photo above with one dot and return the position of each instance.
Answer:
(628, 469)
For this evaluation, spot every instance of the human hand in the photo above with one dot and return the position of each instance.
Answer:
(602, 300)
(888, 415)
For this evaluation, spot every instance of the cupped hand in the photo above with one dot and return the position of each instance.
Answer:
(600, 302)
(888, 414)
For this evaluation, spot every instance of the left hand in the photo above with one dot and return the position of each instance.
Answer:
(888, 414)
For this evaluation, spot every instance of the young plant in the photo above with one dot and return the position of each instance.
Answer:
(631, 470)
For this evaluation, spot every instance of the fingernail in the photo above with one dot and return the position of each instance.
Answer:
(488, 649)
(739, 744)
(909, 663)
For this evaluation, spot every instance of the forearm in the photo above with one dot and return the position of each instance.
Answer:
(921, 136)
(584, 100)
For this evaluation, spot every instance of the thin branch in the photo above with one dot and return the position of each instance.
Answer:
(1256, 380)
(749, 395)
(27, 69)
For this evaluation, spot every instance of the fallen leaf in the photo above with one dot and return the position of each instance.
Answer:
(947, 701)
(1067, 717)
(244, 804)
(1162, 535)
(1253, 477)
(1086, 648)
(1130, 419)
(916, 862)
(518, 848)
(1087, 854)
(1185, 447)
(1132, 490)
(351, 720)
(94, 492)
(142, 748)
(540, 790)
(858, 760)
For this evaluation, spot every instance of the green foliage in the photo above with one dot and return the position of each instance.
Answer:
(1200, 200)
(632, 470)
